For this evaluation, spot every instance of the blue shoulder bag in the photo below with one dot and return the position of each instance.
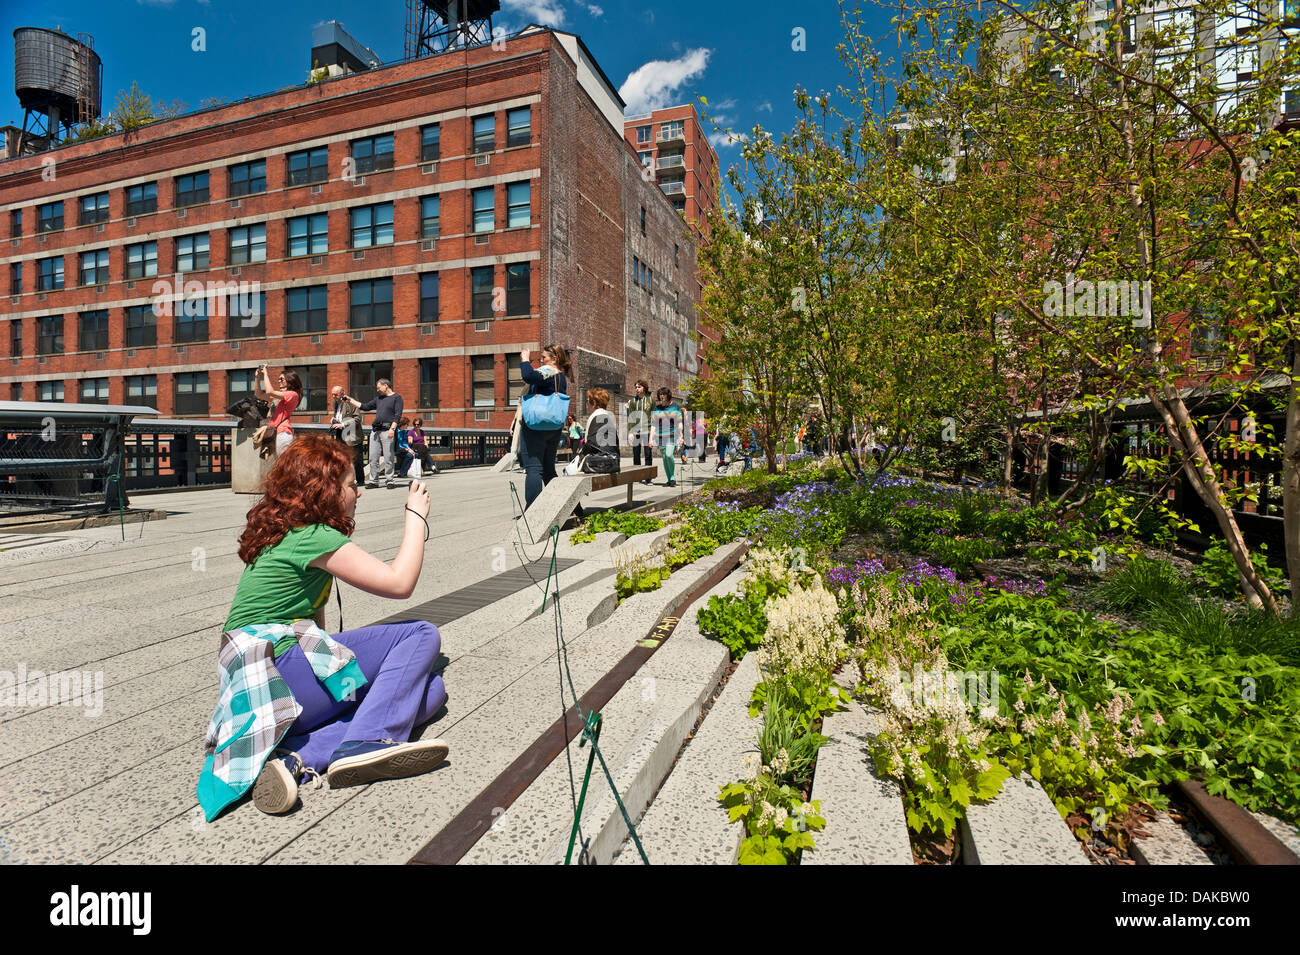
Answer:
(546, 412)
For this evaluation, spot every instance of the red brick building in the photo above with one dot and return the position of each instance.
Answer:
(423, 222)
(671, 144)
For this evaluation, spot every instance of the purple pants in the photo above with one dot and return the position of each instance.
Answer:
(400, 692)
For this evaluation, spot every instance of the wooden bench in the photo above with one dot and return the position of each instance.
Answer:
(443, 459)
(628, 476)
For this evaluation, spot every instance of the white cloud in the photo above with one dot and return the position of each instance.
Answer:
(721, 139)
(765, 107)
(545, 13)
(595, 10)
(658, 83)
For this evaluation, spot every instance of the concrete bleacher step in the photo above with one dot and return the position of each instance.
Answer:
(141, 802)
(865, 820)
(1167, 843)
(552, 507)
(1019, 826)
(644, 725)
(1286, 832)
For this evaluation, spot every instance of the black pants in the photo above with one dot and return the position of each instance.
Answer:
(356, 459)
(640, 441)
(537, 455)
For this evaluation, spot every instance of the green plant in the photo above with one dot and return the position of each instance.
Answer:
(1142, 583)
(809, 699)
(1218, 571)
(686, 545)
(959, 553)
(621, 522)
(737, 620)
(778, 823)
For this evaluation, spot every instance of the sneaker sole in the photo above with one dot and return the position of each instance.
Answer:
(409, 761)
(275, 792)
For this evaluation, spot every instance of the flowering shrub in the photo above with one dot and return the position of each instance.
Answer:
(931, 746)
(637, 572)
(804, 634)
(778, 822)
(808, 515)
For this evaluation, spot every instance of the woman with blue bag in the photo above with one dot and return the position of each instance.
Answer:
(544, 408)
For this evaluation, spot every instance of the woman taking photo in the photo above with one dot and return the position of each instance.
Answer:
(286, 399)
(295, 700)
(537, 447)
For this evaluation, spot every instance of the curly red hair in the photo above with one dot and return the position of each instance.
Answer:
(302, 489)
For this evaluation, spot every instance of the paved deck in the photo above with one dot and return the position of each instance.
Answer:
(113, 780)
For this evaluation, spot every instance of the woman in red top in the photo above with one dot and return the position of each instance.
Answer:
(286, 400)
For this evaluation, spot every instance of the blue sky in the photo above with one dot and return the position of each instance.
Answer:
(740, 56)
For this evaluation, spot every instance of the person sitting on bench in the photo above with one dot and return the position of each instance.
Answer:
(601, 434)
(294, 699)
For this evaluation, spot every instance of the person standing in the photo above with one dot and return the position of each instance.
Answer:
(387, 406)
(639, 409)
(667, 418)
(701, 437)
(346, 426)
(286, 398)
(721, 440)
(537, 447)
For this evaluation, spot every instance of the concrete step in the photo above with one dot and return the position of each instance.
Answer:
(865, 820)
(685, 824)
(1019, 826)
(1286, 832)
(643, 727)
(552, 507)
(1167, 843)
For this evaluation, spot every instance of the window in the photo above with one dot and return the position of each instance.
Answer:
(649, 280)
(429, 383)
(191, 189)
(94, 331)
(676, 260)
(430, 143)
(643, 134)
(643, 220)
(247, 178)
(1206, 330)
(309, 165)
(306, 310)
(248, 244)
(636, 270)
(429, 206)
(518, 299)
(15, 223)
(515, 385)
(484, 206)
(429, 297)
(191, 321)
(142, 198)
(519, 126)
(192, 252)
(517, 205)
(673, 130)
(309, 235)
(142, 389)
(94, 267)
(49, 274)
(141, 260)
(315, 392)
(16, 278)
(677, 310)
(363, 376)
(49, 391)
(372, 225)
(49, 335)
(677, 356)
(94, 391)
(643, 343)
(372, 153)
(481, 292)
(647, 159)
(141, 326)
(483, 377)
(49, 217)
(16, 338)
(484, 134)
(246, 315)
(191, 393)
(239, 384)
(372, 303)
(15, 391)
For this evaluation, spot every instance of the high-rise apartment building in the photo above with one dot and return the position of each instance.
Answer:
(675, 153)
(423, 222)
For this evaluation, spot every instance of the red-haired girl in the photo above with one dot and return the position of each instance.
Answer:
(343, 705)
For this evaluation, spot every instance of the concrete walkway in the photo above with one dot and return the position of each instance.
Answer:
(136, 622)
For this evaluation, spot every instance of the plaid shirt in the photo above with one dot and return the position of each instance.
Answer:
(256, 708)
